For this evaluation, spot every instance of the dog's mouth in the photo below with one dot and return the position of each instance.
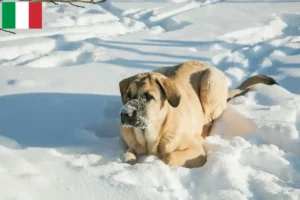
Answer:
(135, 125)
(135, 122)
(133, 114)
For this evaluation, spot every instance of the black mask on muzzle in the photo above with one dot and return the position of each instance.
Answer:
(133, 113)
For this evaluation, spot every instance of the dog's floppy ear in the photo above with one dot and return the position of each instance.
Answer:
(123, 86)
(170, 90)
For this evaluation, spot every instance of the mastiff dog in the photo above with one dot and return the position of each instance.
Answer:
(169, 111)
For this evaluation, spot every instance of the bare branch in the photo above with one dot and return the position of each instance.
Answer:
(7, 31)
(54, 2)
(75, 5)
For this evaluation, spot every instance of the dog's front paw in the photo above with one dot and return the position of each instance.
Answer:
(130, 157)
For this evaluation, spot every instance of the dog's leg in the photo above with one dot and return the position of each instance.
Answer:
(129, 137)
(213, 93)
(207, 129)
(168, 143)
(191, 154)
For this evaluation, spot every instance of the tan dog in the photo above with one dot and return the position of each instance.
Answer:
(169, 111)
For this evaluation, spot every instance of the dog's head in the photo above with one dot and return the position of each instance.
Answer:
(146, 98)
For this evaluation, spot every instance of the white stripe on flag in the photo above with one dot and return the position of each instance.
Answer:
(22, 15)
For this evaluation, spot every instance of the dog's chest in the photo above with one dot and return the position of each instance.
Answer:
(140, 136)
(147, 138)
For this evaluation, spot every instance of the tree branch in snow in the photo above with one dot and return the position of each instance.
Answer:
(75, 5)
(54, 2)
(7, 31)
(71, 2)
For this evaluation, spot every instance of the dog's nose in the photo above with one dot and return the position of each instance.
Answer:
(126, 117)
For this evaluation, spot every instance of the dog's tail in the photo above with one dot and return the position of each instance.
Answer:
(249, 83)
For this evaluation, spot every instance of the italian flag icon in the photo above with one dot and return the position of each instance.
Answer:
(21, 15)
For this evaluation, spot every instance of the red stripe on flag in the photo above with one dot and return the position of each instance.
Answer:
(35, 15)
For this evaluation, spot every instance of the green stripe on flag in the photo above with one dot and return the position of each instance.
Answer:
(0, 15)
(8, 15)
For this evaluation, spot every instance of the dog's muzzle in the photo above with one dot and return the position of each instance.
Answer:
(133, 113)
(128, 117)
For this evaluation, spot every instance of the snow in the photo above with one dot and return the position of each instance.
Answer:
(60, 101)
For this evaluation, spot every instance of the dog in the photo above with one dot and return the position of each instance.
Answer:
(169, 111)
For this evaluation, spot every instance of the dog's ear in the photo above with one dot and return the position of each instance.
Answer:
(170, 91)
(123, 86)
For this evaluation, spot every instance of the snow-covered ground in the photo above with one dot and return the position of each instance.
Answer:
(59, 100)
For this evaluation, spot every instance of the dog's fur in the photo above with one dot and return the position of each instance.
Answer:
(172, 108)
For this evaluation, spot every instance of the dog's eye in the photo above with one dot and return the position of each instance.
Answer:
(128, 95)
(148, 96)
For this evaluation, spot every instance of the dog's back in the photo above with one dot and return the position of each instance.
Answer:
(193, 71)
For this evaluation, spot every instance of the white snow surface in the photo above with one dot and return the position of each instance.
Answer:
(60, 101)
